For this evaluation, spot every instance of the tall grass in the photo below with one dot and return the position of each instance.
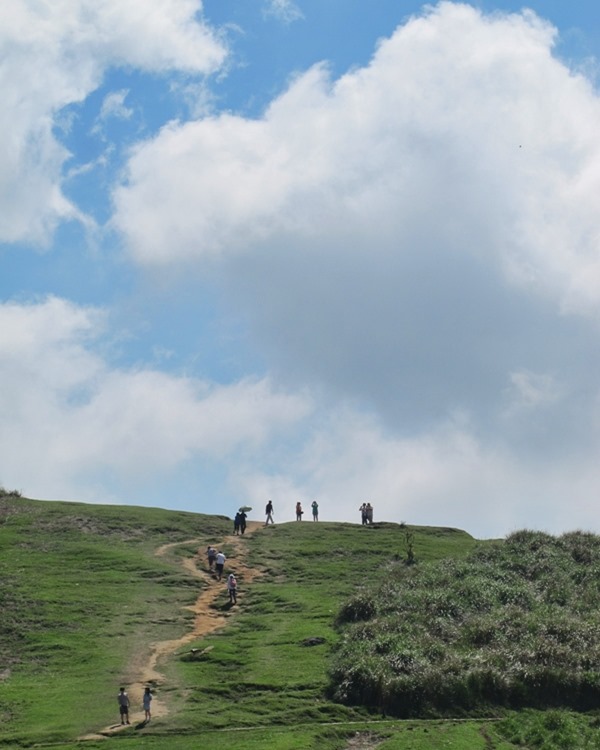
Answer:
(515, 624)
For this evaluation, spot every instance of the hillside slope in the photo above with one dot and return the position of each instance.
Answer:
(86, 599)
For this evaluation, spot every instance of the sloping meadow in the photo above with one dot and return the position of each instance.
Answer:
(516, 623)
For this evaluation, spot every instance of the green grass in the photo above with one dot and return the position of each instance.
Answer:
(80, 593)
(514, 624)
(83, 596)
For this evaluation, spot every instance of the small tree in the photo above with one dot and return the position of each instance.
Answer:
(409, 541)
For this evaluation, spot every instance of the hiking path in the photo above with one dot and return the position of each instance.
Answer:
(207, 620)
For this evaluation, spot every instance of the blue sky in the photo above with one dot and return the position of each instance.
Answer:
(284, 250)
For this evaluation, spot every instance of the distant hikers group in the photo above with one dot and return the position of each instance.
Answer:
(269, 512)
(366, 514)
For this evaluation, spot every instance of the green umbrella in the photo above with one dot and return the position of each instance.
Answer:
(245, 509)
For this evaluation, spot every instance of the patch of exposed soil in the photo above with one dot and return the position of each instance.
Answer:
(207, 620)
(364, 741)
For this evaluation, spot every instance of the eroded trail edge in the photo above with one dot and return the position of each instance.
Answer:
(207, 620)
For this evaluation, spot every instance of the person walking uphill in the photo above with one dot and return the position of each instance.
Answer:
(211, 554)
(220, 564)
(299, 511)
(232, 588)
(123, 700)
(269, 513)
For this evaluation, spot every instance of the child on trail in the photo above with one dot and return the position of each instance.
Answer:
(220, 564)
(232, 588)
(315, 510)
(211, 554)
(299, 511)
(146, 701)
(123, 700)
(269, 513)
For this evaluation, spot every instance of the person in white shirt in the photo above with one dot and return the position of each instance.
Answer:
(123, 700)
(220, 564)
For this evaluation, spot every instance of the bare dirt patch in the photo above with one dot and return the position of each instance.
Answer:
(364, 741)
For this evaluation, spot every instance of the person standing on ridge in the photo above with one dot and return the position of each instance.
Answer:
(315, 510)
(363, 514)
(299, 511)
(123, 700)
(269, 513)
(369, 511)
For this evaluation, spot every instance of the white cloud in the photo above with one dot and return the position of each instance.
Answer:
(445, 478)
(114, 106)
(532, 390)
(414, 237)
(77, 427)
(55, 54)
(459, 116)
(68, 415)
(404, 233)
(283, 10)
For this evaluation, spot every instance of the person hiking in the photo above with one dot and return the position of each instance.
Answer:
(232, 588)
(269, 513)
(299, 511)
(123, 700)
(363, 514)
(220, 564)
(369, 511)
(315, 510)
(211, 554)
(243, 517)
(236, 524)
(146, 701)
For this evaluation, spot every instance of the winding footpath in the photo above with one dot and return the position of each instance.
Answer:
(207, 619)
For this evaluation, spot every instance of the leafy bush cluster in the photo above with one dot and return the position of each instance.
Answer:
(516, 624)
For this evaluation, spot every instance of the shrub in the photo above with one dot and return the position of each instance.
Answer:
(504, 627)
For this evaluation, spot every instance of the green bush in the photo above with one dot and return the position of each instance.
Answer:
(504, 627)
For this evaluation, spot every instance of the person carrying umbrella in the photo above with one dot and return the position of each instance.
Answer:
(242, 513)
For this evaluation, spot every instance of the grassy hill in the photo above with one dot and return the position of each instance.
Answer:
(83, 596)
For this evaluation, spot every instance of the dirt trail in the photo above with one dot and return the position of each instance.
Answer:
(206, 621)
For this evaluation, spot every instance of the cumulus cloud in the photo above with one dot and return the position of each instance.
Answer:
(421, 237)
(465, 118)
(55, 55)
(68, 414)
(426, 216)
